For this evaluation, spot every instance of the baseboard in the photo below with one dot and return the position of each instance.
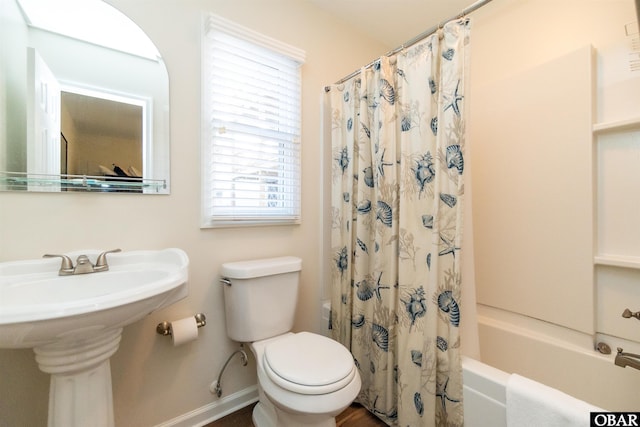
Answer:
(215, 410)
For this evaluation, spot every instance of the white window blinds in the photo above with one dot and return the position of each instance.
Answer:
(251, 127)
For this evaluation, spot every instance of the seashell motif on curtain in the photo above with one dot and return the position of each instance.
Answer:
(448, 304)
(358, 321)
(387, 92)
(454, 158)
(343, 159)
(364, 207)
(424, 170)
(416, 357)
(449, 199)
(380, 336)
(384, 213)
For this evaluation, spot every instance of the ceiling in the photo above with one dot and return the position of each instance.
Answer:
(393, 22)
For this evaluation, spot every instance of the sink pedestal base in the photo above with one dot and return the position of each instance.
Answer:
(80, 389)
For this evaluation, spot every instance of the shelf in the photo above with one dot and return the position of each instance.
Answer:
(10, 181)
(617, 261)
(617, 125)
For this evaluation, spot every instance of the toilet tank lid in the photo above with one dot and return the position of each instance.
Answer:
(261, 267)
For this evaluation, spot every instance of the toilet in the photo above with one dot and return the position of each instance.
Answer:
(304, 379)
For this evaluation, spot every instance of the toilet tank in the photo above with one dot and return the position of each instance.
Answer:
(260, 297)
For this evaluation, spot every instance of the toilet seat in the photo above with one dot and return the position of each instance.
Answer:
(308, 363)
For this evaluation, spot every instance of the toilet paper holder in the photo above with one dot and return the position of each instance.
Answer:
(164, 328)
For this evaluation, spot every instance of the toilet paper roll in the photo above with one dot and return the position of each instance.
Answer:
(184, 330)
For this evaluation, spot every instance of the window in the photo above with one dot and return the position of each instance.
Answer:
(250, 127)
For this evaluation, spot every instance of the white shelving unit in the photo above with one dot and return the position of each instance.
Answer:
(619, 125)
(617, 134)
(617, 258)
(617, 261)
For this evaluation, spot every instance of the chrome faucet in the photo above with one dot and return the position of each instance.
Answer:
(627, 359)
(83, 264)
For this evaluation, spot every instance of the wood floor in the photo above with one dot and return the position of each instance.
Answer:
(353, 416)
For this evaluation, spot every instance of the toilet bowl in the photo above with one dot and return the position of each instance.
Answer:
(304, 379)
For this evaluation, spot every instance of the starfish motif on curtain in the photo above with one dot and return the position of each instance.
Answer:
(450, 247)
(441, 392)
(382, 164)
(454, 101)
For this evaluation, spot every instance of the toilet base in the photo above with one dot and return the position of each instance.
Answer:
(269, 416)
(261, 417)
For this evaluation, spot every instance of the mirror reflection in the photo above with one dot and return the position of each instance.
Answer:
(100, 136)
(83, 100)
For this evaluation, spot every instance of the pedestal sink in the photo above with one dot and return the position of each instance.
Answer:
(74, 323)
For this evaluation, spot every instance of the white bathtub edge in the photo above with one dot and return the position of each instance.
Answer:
(484, 393)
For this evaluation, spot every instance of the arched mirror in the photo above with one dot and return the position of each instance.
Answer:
(84, 100)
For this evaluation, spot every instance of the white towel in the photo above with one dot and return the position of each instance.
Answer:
(531, 404)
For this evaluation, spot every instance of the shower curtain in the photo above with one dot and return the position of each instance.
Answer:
(397, 205)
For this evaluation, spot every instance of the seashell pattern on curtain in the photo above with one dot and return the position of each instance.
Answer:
(398, 139)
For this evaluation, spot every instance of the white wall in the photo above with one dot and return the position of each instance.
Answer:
(152, 381)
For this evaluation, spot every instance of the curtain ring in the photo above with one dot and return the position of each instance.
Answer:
(440, 29)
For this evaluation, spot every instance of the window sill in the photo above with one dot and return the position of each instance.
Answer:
(230, 223)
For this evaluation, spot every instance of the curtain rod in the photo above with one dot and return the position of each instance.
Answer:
(416, 39)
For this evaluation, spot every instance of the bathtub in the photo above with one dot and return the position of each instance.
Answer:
(559, 358)
(484, 393)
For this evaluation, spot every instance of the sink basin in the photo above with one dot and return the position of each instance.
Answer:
(38, 306)
(74, 323)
